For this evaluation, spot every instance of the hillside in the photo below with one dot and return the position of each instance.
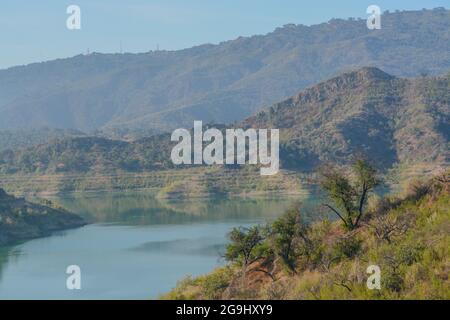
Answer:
(89, 153)
(407, 238)
(390, 119)
(18, 139)
(396, 122)
(22, 220)
(162, 90)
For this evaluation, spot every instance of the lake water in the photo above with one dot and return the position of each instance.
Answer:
(136, 247)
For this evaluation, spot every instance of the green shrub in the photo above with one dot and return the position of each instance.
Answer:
(214, 284)
(347, 247)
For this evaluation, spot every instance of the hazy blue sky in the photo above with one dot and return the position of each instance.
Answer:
(32, 31)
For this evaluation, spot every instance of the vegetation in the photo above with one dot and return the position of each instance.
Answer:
(288, 239)
(246, 247)
(88, 154)
(349, 199)
(391, 120)
(22, 220)
(408, 237)
(182, 183)
(17, 139)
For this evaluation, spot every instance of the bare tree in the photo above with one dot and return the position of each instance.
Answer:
(387, 226)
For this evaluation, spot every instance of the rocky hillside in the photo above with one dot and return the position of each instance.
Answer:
(389, 119)
(162, 90)
(392, 120)
(23, 220)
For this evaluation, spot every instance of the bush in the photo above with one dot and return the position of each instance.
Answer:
(347, 247)
(392, 281)
(214, 284)
(289, 239)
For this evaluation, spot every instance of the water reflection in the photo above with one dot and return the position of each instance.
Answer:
(144, 209)
(137, 246)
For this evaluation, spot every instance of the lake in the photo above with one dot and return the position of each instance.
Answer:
(136, 247)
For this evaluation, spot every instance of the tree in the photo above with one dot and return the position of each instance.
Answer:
(246, 247)
(349, 192)
(288, 238)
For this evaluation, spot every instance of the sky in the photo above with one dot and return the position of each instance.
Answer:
(34, 31)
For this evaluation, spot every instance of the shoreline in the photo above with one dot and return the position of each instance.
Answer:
(22, 220)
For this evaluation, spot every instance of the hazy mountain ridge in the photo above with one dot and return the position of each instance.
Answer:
(16, 139)
(389, 119)
(221, 83)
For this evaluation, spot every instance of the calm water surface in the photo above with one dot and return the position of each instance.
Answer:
(136, 247)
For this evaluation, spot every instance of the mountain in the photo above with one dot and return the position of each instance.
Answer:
(392, 120)
(84, 154)
(163, 90)
(22, 138)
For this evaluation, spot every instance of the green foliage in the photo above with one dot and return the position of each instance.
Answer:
(21, 220)
(349, 198)
(213, 285)
(89, 154)
(245, 246)
(347, 247)
(413, 263)
(289, 239)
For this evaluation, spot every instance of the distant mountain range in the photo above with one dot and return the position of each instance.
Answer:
(387, 118)
(163, 90)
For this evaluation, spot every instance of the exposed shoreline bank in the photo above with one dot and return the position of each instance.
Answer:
(21, 220)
